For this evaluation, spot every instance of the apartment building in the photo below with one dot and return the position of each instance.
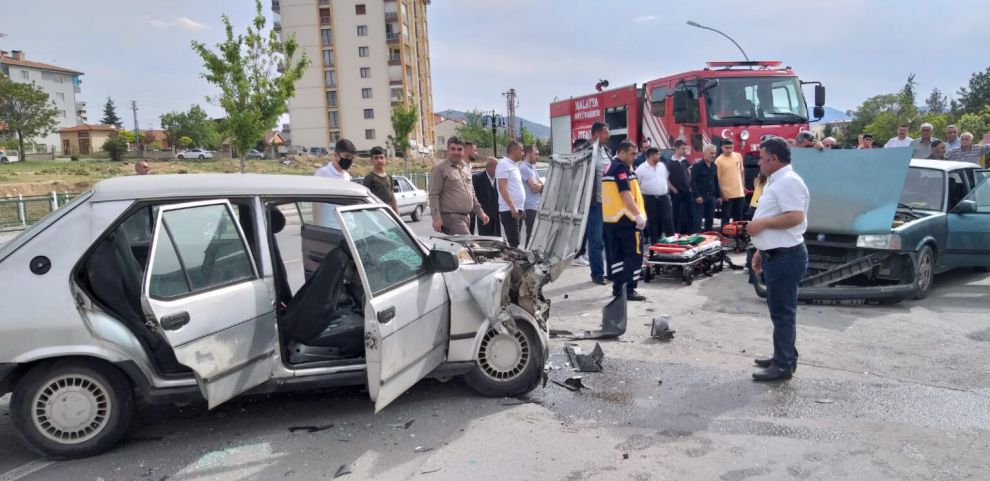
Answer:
(61, 84)
(367, 55)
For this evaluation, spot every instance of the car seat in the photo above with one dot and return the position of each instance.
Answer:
(283, 293)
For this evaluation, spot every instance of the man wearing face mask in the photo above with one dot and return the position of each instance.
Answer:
(343, 158)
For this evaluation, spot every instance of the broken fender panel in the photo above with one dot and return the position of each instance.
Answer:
(492, 294)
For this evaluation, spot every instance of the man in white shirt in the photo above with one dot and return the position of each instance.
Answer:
(902, 139)
(512, 194)
(777, 232)
(534, 186)
(652, 175)
(343, 157)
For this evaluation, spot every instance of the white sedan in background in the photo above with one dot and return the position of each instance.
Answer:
(195, 154)
(412, 201)
(6, 158)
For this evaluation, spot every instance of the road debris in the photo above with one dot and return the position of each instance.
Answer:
(310, 429)
(343, 470)
(573, 383)
(625, 455)
(585, 362)
(614, 316)
(430, 471)
(422, 449)
(404, 425)
(824, 401)
(560, 332)
(660, 328)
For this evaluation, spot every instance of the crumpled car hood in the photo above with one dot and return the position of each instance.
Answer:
(853, 192)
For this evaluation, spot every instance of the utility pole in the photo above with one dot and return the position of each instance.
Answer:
(137, 133)
(511, 102)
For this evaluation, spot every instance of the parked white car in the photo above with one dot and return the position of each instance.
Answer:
(195, 154)
(8, 157)
(174, 288)
(412, 201)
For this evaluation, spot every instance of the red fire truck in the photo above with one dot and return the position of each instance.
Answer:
(743, 101)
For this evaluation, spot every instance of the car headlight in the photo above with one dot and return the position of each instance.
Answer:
(883, 241)
(744, 135)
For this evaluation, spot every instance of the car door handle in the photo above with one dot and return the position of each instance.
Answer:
(175, 321)
(386, 315)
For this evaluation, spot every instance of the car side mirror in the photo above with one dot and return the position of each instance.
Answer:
(680, 106)
(818, 112)
(965, 207)
(443, 261)
(819, 96)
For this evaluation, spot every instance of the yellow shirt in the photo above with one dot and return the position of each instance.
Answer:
(618, 178)
(730, 175)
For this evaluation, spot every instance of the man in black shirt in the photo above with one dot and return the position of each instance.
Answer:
(378, 181)
(705, 188)
(680, 188)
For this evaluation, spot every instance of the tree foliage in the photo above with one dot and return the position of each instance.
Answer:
(194, 124)
(116, 146)
(185, 142)
(256, 74)
(976, 95)
(474, 130)
(110, 116)
(404, 118)
(936, 102)
(26, 110)
(526, 136)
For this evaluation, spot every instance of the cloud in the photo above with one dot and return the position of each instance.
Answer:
(644, 18)
(184, 23)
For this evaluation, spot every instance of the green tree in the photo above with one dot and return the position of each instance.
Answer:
(474, 129)
(194, 124)
(184, 142)
(256, 74)
(27, 111)
(869, 109)
(977, 95)
(936, 102)
(116, 145)
(975, 123)
(404, 118)
(527, 137)
(828, 131)
(955, 110)
(110, 115)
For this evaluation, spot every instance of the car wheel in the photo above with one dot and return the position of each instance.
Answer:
(417, 213)
(182, 158)
(924, 272)
(201, 157)
(3, 160)
(72, 409)
(508, 364)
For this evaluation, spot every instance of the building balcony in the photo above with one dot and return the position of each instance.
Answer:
(276, 6)
(324, 20)
(392, 37)
(394, 60)
(277, 26)
(391, 16)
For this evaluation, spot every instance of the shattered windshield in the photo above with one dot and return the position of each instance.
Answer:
(759, 100)
(923, 189)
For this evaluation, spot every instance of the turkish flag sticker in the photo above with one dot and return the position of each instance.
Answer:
(623, 176)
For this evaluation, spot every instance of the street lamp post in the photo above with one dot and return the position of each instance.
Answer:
(698, 25)
(496, 121)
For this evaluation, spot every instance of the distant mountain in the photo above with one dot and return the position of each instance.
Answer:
(539, 130)
(832, 115)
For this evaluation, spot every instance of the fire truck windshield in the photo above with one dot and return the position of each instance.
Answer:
(757, 100)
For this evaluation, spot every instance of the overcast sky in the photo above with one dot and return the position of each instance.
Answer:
(139, 49)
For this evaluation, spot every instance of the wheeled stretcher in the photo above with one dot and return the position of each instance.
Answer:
(684, 257)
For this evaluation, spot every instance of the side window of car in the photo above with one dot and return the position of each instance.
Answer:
(197, 249)
(396, 185)
(957, 188)
(981, 196)
(320, 214)
(389, 256)
(407, 185)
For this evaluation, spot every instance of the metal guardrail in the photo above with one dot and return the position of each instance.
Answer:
(22, 211)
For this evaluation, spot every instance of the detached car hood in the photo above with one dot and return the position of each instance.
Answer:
(853, 192)
(563, 212)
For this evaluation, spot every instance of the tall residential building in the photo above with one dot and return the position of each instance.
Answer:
(367, 55)
(60, 83)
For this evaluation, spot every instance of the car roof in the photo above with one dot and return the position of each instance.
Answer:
(944, 165)
(199, 185)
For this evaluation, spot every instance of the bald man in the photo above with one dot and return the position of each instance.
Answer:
(486, 190)
(141, 167)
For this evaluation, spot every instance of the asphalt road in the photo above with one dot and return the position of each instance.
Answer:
(882, 392)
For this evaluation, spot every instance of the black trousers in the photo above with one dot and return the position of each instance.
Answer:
(659, 218)
(625, 259)
(491, 229)
(733, 209)
(511, 227)
(683, 208)
(530, 220)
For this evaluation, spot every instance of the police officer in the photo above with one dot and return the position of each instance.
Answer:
(622, 212)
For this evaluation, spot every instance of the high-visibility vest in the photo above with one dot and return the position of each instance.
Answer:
(613, 209)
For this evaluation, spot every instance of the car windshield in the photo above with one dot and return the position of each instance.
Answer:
(12, 245)
(760, 100)
(924, 189)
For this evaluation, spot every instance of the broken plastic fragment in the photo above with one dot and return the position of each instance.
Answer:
(585, 362)
(343, 470)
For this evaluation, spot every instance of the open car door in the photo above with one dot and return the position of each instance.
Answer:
(204, 291)
(406, 310)
(562, 215)
(968, 244)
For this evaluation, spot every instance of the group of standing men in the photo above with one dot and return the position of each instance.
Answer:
(497, 201)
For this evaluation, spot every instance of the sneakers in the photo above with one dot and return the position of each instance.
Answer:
(632, 296)
(599, 280)
(580, 262)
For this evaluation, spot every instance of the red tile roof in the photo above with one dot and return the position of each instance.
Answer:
(38, 65)
(89, 128)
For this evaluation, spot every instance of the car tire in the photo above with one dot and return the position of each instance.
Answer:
(924, 272)
(181, 157)
(72, 409)
(3, 160)
(508, 365)
(417, 213)
(201, 157)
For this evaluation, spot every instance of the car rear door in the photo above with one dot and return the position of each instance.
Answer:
(407, 317)
(968, 241)
(204, 291)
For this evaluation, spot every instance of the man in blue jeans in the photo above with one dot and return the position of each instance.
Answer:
(777, 232)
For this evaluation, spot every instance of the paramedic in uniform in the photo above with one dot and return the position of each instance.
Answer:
(622, 212)
(777, 232)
